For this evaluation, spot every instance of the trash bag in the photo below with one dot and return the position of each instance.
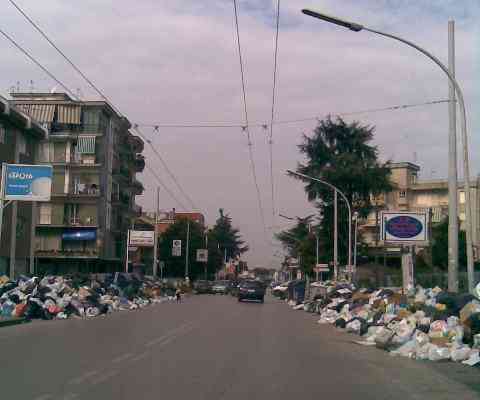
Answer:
(460, 354)
(436, 353)
(383, 338)
(408, 349)
(33, 310)
(20, 310)
(340, 323)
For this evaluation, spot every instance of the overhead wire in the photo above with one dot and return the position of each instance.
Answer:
(246, 127)
(270, 139)
(165, 165)
(37, 63)
(93, 86)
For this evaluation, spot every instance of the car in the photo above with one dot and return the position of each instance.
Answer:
(251, 290)
(202, 287)
(220, 287)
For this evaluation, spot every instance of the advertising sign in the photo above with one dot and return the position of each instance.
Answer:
(27, 182)
(142, 238)
(202, 255)
(404, 227)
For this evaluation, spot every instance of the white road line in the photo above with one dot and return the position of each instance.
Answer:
(105, 377)
(70, 396)
(84, 377)
(123, 357)
(44, 397)
(180, 330)
(141, 356)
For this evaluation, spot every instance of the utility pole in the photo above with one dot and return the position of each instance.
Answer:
(155, 235)
(316, 248)
(335, 235)
(187, 249)
(206, 247)
(452, 169)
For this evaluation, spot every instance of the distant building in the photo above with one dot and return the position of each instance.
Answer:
(20, 136)
(95, 159)
(412, 194)
(167, 218)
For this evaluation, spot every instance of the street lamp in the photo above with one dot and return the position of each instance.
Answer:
(337, 190)
(463, 125)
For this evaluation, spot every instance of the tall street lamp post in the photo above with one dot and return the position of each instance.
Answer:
(463, 125)
(337, 190)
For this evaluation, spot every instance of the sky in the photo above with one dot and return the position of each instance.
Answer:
(176, 62)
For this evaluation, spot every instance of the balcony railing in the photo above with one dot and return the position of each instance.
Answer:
(80, 221)
(67, 253)
(85, 189)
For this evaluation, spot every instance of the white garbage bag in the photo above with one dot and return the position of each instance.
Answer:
(436, 353)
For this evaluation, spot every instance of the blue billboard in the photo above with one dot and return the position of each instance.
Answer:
(27, 182)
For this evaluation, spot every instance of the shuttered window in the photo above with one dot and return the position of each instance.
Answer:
(86, 145)
(45, 214)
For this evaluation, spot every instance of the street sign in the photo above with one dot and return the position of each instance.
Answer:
(142, 238)
(27, 182)
(132, 248)
(404, 227)
(321, 268)
(202, 255)
(176, 248)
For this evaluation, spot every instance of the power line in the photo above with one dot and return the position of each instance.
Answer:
(291, 121)
(270, 139)
(170, 193)
(245, 128)
(37, 63)
(165, 165)
(72, 64)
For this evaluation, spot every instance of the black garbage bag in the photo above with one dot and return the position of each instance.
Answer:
(449, 299)
(340, 323)
(423, 328)
(339, 306)
(103, 308)
(33, 310)
(14, 298)
(429, 311)
(443, 314)
(474, 323)
(363, 327)
(46, 314)
(7, 287)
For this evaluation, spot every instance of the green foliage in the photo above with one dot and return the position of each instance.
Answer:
(440, 246)
(227, 237)
(341, 154)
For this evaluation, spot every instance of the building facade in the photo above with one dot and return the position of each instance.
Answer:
(412, 194)
(95, 159)
(20, 136)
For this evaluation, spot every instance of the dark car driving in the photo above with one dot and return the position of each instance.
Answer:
(251, 290)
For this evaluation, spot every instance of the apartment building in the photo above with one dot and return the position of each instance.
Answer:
(412, 194)
(95, 159)
(19, 139)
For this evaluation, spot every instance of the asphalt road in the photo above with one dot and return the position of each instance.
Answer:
(212, 347)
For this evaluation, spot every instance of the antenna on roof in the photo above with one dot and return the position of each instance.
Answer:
(415, 157)
(32, 88)
(18, 86)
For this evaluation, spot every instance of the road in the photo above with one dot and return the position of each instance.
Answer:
(209, 348)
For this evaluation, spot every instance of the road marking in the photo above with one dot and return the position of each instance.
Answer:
(70, 396)
(141, 356)
(84, 377)
(44, 397)
(105, 377)
(180, 330)
(121, 358)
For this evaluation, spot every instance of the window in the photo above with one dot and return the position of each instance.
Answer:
(73, 214)
(45, 214)
(22, 144)
(402, 194)
(2, 134)
(462, 197)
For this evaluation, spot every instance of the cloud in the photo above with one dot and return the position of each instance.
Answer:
(173, 61)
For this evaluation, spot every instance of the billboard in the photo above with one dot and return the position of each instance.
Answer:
(404, 227)
(27, 182)
(142, 238)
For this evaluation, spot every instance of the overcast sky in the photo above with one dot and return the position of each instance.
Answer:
(176, 62)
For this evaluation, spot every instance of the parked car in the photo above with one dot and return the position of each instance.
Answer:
(202, 287)
(220, 287)
(251, 290)
(232, 287)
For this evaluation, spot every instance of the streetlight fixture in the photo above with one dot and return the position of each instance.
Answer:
(346, 201)
(353, 26)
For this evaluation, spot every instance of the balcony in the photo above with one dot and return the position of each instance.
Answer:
(137, 187)
(88, 253)
(136, 143)
(84, 190)
(139, 163)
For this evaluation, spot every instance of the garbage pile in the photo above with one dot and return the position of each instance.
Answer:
(425, 324)
(61, 297)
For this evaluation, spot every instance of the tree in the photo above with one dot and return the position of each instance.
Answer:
(440, 246)
(227, 238)
(341, 154)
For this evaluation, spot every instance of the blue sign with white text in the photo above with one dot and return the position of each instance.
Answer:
(27, 182)
(404, 227)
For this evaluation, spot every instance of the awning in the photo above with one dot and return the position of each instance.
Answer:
(80, 234)
(68, 114)
(42, 113)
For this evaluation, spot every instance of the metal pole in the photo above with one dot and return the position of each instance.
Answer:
(466, 163)
(206, 247)
(335, 236)
(355, 243)
(2, 195)
(155, 236)
(126, 251)
(316, 248)
(452, 169)
(187, 249)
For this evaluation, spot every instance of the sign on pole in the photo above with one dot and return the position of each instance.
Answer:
(27, 182)
(142, 238)
(321, 268)
(404, 227)
(202, 255)
(176, 248)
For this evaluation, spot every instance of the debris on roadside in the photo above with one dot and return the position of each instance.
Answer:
(62, 297)
(419, 323)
